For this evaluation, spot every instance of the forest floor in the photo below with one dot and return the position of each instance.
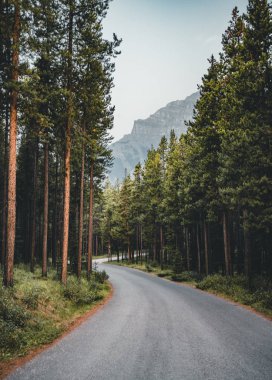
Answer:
(37, 311)
(257, 297)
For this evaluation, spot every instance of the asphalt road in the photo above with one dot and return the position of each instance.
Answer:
(155, 329)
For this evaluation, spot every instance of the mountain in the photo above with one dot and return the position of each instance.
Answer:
(132, 148)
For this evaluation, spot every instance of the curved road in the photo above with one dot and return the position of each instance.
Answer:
(155, 329)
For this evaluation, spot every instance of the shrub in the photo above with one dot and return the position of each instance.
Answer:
(259, 293)
(165, 273)
(31, 297)
(148, 267)
(100, 276)
(10, 311)
(186, 277)
(12, 338)
(80, 292)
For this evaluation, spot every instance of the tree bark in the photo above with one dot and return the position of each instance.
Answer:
(141, 244)
(162, 248)
(206, 243)
(45, 211)
(247, 246)
(198, 250)
(11, 215)
(90, 237)
(55, 234)
(187, 248)
(34, 208)
(67, 164)
(227, 252)
(5, 184)
(81, 211)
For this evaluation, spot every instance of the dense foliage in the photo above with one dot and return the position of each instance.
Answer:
(203, 202)
(56, 74)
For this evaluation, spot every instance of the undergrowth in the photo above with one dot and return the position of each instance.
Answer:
(37, 310)
(257, 293)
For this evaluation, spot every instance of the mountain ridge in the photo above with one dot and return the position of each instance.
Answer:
(132, 148)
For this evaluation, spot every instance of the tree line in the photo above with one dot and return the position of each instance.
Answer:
(56, 74)
(203, 201)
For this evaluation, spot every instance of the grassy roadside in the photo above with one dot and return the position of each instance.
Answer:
(258, 296)
(38, 310)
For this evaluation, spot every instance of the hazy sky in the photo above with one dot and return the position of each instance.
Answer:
(165, 48)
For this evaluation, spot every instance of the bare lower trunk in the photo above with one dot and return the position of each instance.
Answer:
(66, 201)
(162, 248)
(198, 250)
(11, 215)
(206, 243)
(45, 212)
(55, 235)
(154, 247)
(187, 248)
(81, 210)
(109, 250)
(141, 243)
(90, 238)
(5, 183)
(247, 246)
(227, 245)
(34, 207)
(137, 243)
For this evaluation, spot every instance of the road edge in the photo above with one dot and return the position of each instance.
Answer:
(211, 293)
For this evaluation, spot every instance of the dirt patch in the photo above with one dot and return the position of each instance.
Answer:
(8, 367)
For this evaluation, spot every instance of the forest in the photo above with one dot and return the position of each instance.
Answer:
(202, 201)
(199, 208)
(56, 79)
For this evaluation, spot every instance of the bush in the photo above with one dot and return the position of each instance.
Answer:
(12, 338)
(165, 273)
(10, 311)
(186, 277)
(31, 297)
(100, 276)
(148, 267)
(13, 319)
(80, 292)
(259, 293)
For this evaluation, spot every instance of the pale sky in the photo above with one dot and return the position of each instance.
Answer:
(165, 48)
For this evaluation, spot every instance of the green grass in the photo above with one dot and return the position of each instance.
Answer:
(236, 288)
(37, 310)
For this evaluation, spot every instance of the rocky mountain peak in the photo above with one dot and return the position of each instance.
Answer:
(133, 147)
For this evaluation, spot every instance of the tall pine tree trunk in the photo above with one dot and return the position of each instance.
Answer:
(90, 237)
(55, 218)
(34, 208)
(206, 244)
(227, 252)
(247, 246)
(11, 215)
(67, 161)
(45, 211)
(187, 236)
(162, 248)
(5, 184)
(141, 243)
(81, 211)
(198, 249)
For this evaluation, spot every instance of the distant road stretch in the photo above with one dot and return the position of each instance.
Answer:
(155, 329)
